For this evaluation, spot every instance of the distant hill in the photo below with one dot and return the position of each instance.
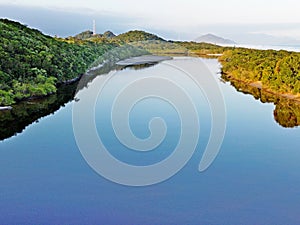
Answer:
(130, 36)
(89, 34)
(84, 35)
(213, 39)
(108, 34)
(136, 35)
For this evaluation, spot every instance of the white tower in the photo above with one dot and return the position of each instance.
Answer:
(94, 27)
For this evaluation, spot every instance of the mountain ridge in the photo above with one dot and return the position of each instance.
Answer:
(213, 39)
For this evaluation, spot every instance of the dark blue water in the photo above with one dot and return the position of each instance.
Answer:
(254, 180)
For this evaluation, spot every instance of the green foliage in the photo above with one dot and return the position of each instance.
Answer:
(202, 48)
(108, 34)
(26, 112)
(32, 64)
(84, 35)
(161, 47)
(40, 86)
(277, 70)
(6, 98)
(88, 35)
(135, 36)
(27, 56)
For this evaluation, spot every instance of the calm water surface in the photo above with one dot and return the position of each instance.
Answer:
(254, 180)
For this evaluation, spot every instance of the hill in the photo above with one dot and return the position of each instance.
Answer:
(108, 34)
(89, 34)
(136, 35)
(33, 64)
(213, 39)
(128, 37)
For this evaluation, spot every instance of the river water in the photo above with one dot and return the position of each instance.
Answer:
(254, 179)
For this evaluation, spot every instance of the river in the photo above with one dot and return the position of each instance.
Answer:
(253, 180)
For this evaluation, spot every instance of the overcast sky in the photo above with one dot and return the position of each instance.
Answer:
(171, 18)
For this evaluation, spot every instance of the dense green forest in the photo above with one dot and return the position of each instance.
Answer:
(278, 71)
(33, 64)
(136, 35)
(27, 112)
(128, 37)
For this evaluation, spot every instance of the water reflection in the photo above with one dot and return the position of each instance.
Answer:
(25, 113)
(286, 112)
(137, 67)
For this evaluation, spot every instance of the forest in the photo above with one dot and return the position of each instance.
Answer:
(278, 71)
(33, 64)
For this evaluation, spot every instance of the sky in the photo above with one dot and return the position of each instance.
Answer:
(242, 21)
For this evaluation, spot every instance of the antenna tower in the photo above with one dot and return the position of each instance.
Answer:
(94, 27)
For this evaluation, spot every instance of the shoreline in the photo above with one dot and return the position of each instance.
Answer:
(141, 60)
(153, 59)
(5, 108)
(259, 85)
(58, 85)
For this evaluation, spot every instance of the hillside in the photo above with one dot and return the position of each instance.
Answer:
(276, 71)
(213, 39)
(89, 34)
(33, 64)
(136, 35)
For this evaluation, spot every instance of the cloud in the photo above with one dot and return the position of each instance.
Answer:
(65, 22)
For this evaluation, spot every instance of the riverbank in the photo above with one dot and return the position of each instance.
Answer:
(142, 60)
(278, 71)
(5, 108)
(30, 98)
(260, 86)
